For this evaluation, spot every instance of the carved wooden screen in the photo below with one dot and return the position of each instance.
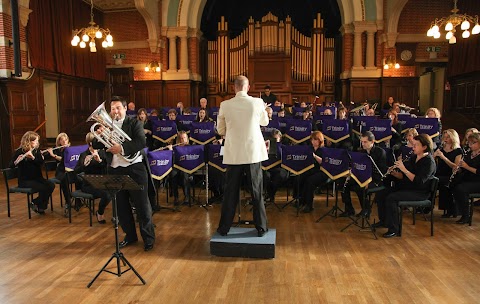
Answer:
(311, 67)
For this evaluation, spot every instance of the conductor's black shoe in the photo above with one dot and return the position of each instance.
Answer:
(378, 225)
(221, 232)
(262, 232)
(347, 214)
(148, 247)
(389, 234)
(126, 243)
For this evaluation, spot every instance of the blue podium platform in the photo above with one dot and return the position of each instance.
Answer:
(244, 242)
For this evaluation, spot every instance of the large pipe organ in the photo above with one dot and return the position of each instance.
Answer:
(273, 52)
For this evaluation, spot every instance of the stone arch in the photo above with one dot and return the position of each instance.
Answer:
(392, 26)
(145, 8)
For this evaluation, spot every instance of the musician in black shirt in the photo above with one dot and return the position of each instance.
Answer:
(412, 182)
(467, 178)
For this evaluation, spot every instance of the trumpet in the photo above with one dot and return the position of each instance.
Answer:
(110, 133)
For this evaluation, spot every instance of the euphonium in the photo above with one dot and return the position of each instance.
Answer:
(111, 134)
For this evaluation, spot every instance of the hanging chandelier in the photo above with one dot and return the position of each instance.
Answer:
(451, 22)
(88, 34)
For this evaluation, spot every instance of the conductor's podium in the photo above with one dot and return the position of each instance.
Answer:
(244, 242)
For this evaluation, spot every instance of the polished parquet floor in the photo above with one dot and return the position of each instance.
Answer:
(48, 260)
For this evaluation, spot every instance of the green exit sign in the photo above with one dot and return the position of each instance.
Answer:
(433, 49)
(118, 56)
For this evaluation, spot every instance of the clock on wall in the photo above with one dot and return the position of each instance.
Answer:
(406, 55)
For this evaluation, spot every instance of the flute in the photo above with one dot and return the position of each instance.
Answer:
(166, 147)
(22, 157)
(53, 149)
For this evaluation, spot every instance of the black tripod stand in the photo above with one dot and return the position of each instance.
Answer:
(114, 184)
(365, 223)
(335, 209)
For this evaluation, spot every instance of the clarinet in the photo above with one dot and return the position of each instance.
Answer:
(455, 171)
(392, 168)
(345, 184)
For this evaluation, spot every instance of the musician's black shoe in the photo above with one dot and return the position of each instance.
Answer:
(262, 232)
(448, 215)
(148, 247)
(307, 209)
(378, 225)
(463, 220)
(347, 214)
(222, 232)
(126, 243)
(389, 234)
(364, 213)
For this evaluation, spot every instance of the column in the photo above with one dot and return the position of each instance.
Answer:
(357, 50)
(370, 49)
(172, 53)
(184, 53)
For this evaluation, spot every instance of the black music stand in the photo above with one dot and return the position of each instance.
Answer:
(365, 225)
(335, 209)
(114, 184)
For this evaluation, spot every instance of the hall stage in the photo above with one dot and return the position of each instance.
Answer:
(48, 260)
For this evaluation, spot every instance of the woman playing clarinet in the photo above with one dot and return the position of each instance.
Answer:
(29, 161)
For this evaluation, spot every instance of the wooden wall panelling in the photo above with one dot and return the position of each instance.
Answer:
(402, 89)
(120, 82)
(176, 91)
(148, 94)
(465, 95)
(362, 89)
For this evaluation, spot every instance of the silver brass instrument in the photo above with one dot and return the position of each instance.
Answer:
(111, 134)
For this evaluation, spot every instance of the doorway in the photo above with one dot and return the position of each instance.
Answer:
(50, 98)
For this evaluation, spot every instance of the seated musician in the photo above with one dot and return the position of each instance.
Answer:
(269, 112)
(93, 161)
(467, 178)
(172, 115)
(274, 177)
(147, 126)
(411, 182)
(62, 141)
(389, 104)
(29, 160)
(179, 107)
(468, 132)
(202, 116)
(435, 113)
(396, 140)
(447, 157)
(378, 156)
(178, 177)
(313, 177)
(281, 112)
(409, 136)
(342, 113)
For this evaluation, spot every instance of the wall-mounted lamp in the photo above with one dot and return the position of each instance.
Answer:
(390, 63)
(152, 66)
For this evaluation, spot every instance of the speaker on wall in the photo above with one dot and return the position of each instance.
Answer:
(17, 58)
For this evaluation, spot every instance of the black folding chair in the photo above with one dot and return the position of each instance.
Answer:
(87, 198)
(12, 173)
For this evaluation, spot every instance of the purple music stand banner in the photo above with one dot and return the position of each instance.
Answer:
(381, 128)
(275, 110)
(189, 158)
(164, 130)
(298, 131)
(213, 113)
(272, 160)
(360, 123)
(161, 163)
(361, 170)
(297, 159)
(282, 122)
(131, 114)
(335, 162)
(403, 119)
(267, 130)
(298, 112)
(336, 130)
(186, 121)
(194, 111)
(71, 156)
(202, 132)
(321, 110)
(424, 125)
(215, 159)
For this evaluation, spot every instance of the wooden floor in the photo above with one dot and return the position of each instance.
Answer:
(48, 260)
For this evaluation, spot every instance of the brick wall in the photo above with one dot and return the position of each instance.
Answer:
(6, 52)
(347, 51)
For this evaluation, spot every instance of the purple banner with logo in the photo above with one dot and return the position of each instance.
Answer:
(321, 110)
(189, 158)
(297, 159)
(298, 112)
(360, 122)
(213, 113)
(424, 125)
(215, 159)
(202, 132)
(164, 130)
(298, 130)
(361, 171)
(194, 111)
(403, 119)
(161, 163)
(275, 110)
(381, 128)
(71, 156)
(282, 122)
(186, 121)
(273, 160)
(336, 130)
(335, 162)
(267, 130)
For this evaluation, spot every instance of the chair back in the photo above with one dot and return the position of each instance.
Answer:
(433, 188)
(50, 166)
(10, 173)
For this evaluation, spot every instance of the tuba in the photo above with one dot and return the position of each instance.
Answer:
(111, 134)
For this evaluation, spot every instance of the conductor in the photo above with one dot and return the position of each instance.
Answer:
(239, 120)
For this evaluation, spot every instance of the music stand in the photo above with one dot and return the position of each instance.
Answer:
(114, 184)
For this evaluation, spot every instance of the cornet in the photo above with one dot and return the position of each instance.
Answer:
(110, 134)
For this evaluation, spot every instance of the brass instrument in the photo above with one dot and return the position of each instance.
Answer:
(111, 134)
(405, 108)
